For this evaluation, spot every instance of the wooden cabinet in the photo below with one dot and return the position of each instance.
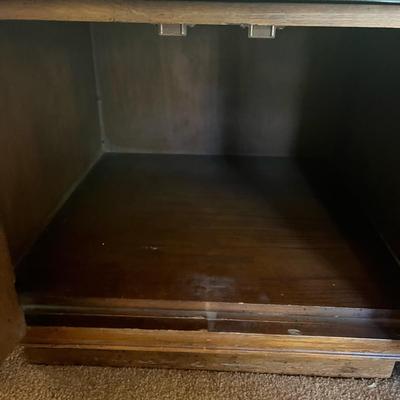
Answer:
(209, 201)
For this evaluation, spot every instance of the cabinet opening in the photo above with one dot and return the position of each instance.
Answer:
(204, 182)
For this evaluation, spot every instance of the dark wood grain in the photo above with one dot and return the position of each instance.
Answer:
(212, 317)
(49, 133)
(217, 92)
(251, 230)
(12, 326)
(213, 92)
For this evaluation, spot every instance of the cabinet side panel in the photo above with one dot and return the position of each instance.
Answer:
(11, 320)
(49, 132)
(368, 149)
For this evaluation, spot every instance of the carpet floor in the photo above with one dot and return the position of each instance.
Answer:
(19, 380)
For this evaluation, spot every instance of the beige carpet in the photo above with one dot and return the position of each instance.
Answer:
(19, 380)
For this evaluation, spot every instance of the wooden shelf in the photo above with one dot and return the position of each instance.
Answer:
(198, 12)
(189, 234)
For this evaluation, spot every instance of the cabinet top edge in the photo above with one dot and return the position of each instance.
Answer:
(205, 12)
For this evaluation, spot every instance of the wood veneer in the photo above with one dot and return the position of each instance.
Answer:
(208, 229)
(217, 92)
(49, 131)
(11, 318)
(215, 351)
(198, 12)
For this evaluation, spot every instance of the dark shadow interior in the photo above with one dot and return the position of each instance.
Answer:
(222, 169)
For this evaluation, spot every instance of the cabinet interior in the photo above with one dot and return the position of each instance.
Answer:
(207, 182)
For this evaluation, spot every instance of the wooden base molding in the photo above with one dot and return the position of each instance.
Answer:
(341, 357)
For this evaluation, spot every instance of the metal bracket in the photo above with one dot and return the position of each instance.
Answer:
(262, 31)
(255, 31)
(172, 29)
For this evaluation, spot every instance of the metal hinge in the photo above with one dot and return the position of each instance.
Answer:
(172, 29)
(262, 31)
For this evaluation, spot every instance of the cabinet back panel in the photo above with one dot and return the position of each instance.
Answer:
(212, 92)
(49, 131)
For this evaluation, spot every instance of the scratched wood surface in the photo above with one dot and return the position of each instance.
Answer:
(252, 230)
